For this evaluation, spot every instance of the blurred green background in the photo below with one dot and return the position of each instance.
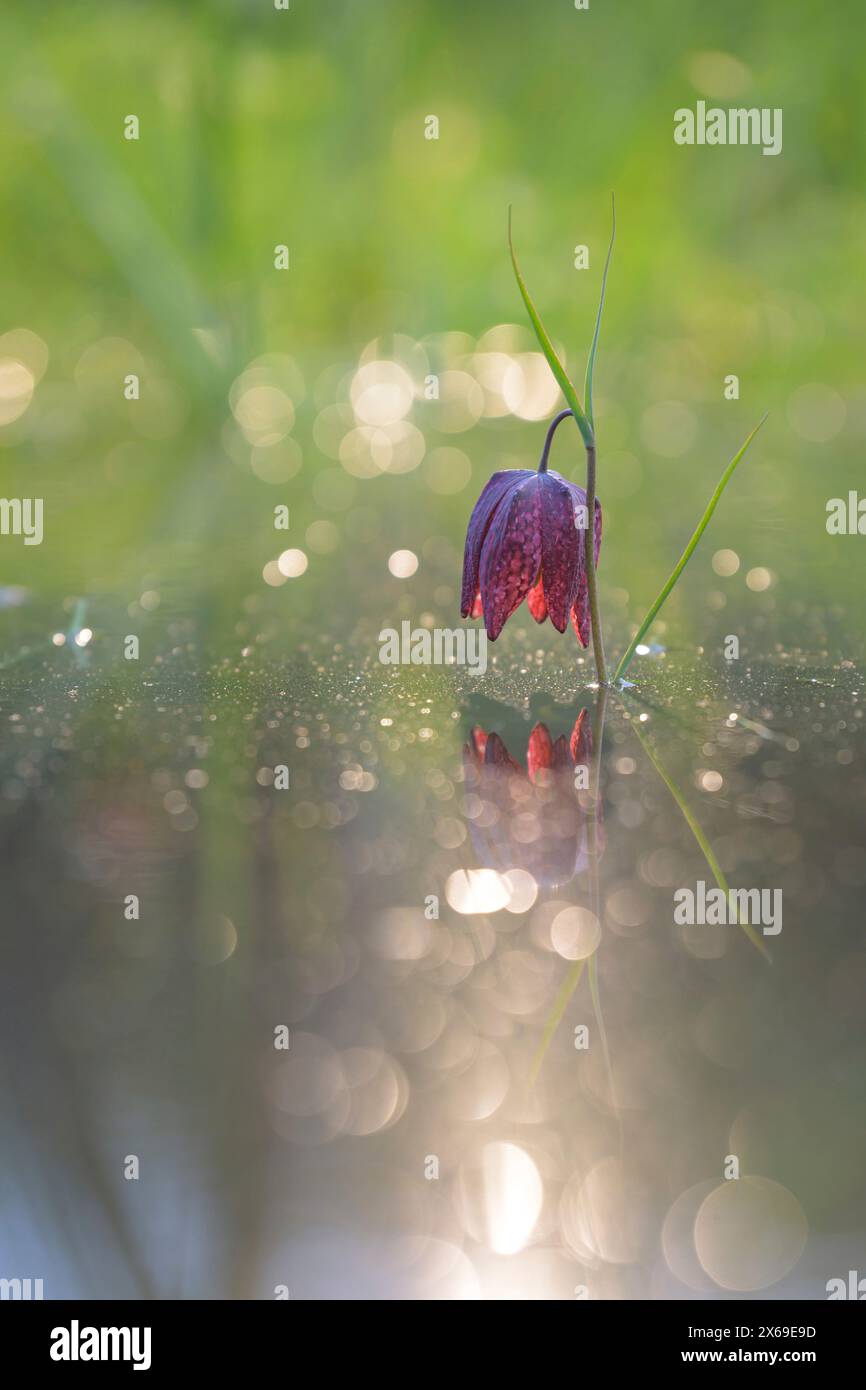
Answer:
(306, 128)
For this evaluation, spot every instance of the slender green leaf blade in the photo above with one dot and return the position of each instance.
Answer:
(686, 555)
(590, 361)
(548, 349)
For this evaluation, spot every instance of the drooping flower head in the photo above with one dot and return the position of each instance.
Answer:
(526, 541)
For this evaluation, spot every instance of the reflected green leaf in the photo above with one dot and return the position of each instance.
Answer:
(697, 830)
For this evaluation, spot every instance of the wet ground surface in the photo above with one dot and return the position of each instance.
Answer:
(420, 1023)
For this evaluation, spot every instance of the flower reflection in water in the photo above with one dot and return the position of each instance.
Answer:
(531, 818)
(541, 822)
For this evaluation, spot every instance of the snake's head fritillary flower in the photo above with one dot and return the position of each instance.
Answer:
(526, 541)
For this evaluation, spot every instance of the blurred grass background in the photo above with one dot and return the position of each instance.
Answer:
(261, 127)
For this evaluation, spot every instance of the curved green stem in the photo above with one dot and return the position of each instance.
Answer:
(589, 554)
(548, 439)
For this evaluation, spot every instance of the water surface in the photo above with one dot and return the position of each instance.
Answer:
(536, 1093)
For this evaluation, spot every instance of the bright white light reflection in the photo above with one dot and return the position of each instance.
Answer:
(292, 563)
(523, 890)
(513, 1194)
(575, 933)
(750, 1233)
(403, 564)
(381, 393)
(477, 890)
(16, 389)
(530, 390)
(606, 1215)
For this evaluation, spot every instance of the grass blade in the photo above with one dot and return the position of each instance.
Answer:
(595, 995)
(548, 349)
(686, 555)
(554, 1018)
(697, 830)
(590, 361)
